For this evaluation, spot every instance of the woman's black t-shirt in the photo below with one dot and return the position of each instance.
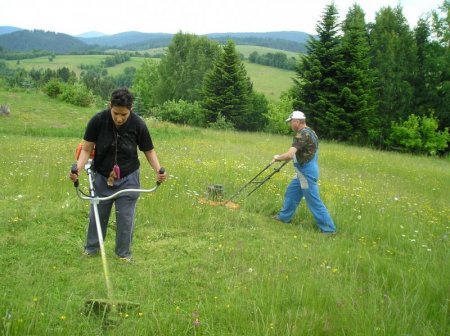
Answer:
(117, 145)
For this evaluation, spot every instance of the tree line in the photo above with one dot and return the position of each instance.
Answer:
(376, 84)
(274, 59)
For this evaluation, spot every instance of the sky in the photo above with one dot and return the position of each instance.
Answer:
(190, 16)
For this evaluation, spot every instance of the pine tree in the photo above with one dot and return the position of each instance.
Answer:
(394, 59)
(316, 88)
(355, 110)
(440, 63)
(424, 93)
(227, 89)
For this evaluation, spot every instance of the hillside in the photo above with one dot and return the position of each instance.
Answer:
(289, 41)
(27, 40)
(8, 29)
(14, 39)
(90, 34)
(125, 39)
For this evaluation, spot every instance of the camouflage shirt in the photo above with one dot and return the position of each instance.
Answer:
(306, 142)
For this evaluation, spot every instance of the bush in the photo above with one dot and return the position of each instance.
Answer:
(276, 115)
(77, 94)
(418, 135)
(221, 123)
(53, 88)
(182, 112)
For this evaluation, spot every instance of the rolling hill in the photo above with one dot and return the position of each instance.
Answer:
(8, 29)
(28, 40)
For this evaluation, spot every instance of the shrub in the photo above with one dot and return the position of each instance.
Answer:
(77, 94)
(221, 123)
(418, 135)
(276, 115)
(182, 112)
(53, 88)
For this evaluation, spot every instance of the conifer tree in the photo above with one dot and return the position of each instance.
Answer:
(424, 96)
(227, 89)
(315, 87)
(440, 63)
(394, 59)
(354, 114)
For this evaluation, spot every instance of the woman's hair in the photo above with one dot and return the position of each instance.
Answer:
(122, 97)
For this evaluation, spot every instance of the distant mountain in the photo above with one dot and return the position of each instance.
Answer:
(8, 29)
(289, 41)
(91, 34)
(264, 42)
(127, 38)
(294, 36)
(27, 40)
(283, 40)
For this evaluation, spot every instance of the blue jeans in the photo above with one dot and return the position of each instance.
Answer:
(125, 206)
(308, 189)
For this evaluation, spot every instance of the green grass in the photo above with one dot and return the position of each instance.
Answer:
(135, 62)
(73, 62)
(205, 270)
(272, 82)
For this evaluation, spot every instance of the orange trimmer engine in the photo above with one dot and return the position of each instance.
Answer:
(78, 151)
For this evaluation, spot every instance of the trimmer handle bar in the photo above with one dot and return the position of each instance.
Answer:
(97, 199)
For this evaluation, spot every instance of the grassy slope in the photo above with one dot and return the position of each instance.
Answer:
(272, 82)
(236, 271)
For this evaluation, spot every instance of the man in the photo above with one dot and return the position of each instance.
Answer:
(117, 133)
(304, 153)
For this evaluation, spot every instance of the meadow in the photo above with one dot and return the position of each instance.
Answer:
(246, 50)
(272, 82)
(210, 270)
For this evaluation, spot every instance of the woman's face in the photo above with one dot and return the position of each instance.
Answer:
(120, 115)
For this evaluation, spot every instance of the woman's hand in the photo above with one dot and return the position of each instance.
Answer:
(162, 175)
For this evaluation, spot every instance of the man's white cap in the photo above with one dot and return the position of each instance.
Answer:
(296, 115)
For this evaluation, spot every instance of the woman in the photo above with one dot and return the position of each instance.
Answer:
(116, 133)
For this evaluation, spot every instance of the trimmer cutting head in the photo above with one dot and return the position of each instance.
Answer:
(111, 309)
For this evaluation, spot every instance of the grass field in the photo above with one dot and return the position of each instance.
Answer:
(246, 50)
(209, 270)
(272, 82)
(73, 62)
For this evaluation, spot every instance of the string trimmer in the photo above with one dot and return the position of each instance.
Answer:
(104, 306)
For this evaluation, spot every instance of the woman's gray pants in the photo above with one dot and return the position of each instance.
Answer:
(125, 206)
